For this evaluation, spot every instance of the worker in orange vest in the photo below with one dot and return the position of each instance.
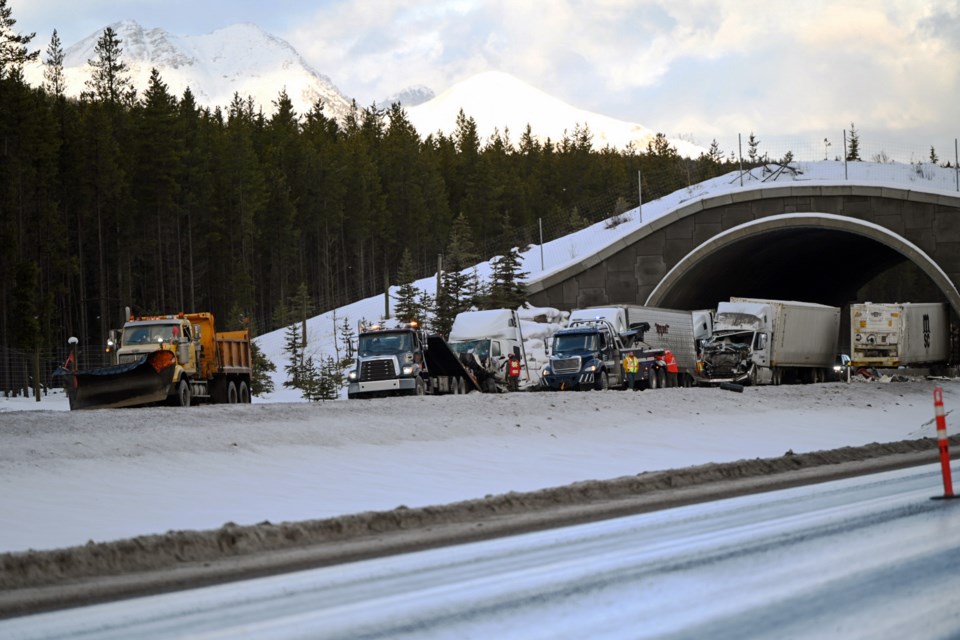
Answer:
(673, 370)
(513, 372)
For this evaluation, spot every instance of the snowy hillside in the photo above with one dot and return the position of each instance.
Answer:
(241, 59)
(539, 262)
(497, 100)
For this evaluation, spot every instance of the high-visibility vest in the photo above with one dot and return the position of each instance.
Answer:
(631, 364)
(671, 362)
(514, 371)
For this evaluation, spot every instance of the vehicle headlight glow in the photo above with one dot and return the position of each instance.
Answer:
(352, 376)
(545, 372)
(592, 367)
(408, 369)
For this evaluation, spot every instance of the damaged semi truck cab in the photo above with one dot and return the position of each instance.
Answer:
(759, 341)
(484, 341)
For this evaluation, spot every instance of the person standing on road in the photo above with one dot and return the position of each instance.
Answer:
(513, 372)
(631, 365)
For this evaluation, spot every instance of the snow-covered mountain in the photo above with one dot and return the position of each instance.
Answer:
(497, 100)
(409, 97)
(245, 60)
(241, 59)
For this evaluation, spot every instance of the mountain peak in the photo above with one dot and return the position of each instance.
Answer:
(499, 101)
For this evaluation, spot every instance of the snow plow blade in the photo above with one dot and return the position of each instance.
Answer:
(124, 385)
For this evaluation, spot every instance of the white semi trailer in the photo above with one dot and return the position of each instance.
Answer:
(758, 341)
(890, 335)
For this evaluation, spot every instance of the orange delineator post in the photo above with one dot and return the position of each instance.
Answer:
(942, 440)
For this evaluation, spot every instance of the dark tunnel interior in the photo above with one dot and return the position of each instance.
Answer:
(808, 264)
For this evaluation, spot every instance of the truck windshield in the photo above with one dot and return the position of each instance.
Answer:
(570, 342)
(480, 348)
(150, 333)
(379, 344)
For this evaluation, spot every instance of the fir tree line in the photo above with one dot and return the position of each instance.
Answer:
(116, 199)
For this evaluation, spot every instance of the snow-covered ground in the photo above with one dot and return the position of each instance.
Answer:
(69, 477)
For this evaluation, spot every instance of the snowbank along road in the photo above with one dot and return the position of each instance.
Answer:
(194, 491)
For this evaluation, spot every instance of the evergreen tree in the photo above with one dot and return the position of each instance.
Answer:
(933, 156)
(408, 308)
(331, 379)
(507, 290)
(110, 82)
(297, 367)
(752, 145)
(311, 381)
(53, 80)
(347, 338)
(455, 293)
(13, 46)
(260, 382)
(853, 147)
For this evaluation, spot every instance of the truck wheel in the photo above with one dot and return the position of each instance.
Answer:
(661, 378)
(752, 379)
(463, 386)
(184, 396)
(231, 392)
(603, 381)
(244, 395)
(652, 379)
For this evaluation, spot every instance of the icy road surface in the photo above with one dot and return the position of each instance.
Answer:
(861, 558)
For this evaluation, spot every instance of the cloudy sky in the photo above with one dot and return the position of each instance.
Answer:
(698, 68)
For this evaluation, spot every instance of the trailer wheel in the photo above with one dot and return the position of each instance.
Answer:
(244, 392)
(231, 392)
(183, 396)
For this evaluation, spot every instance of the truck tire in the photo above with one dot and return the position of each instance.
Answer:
(421, 388)
(652, 378)
(603, 381)
(244, 394)
(661, 378)
(184, 396)
(463, 386)
(231, 392)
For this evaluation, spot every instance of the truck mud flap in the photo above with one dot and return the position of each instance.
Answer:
(124, 385)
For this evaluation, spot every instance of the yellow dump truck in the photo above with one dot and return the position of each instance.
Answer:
(177, 359)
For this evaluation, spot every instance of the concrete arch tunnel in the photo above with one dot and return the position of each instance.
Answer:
(817, 257)
(817, 243)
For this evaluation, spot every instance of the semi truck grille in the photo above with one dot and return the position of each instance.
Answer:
(373, 370)
(566, 365)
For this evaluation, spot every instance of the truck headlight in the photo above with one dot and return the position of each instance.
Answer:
(352, 376)
(545, 371)
(408, 369)
(591, 367)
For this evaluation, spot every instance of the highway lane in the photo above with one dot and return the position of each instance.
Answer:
(872, 556)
